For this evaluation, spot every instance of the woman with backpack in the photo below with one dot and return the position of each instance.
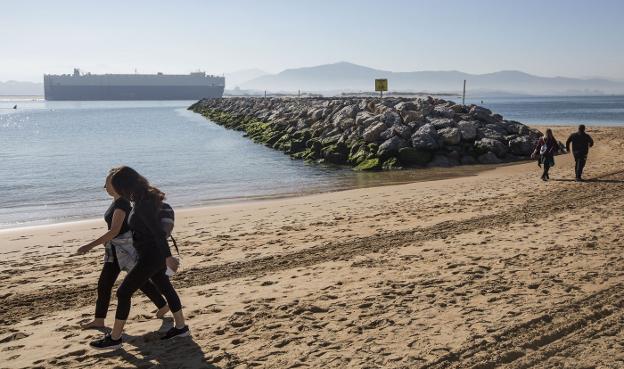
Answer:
(547, 147)
(154, 256)
(119, 254)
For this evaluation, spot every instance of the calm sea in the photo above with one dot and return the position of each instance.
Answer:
(55, 155)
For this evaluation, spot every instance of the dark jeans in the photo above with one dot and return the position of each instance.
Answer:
(109, 275)
(148, 267)
(580, 158)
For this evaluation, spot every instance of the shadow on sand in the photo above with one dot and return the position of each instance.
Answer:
(181, 352)
(592, 180)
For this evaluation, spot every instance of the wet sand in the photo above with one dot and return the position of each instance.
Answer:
(494, 270)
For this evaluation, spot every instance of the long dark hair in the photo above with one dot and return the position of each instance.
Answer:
(128, 183)
(549, 135)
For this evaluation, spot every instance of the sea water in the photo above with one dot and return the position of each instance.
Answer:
(54, 156)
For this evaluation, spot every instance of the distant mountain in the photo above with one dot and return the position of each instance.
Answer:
(234, 79)
(344, 76)
(21, 88)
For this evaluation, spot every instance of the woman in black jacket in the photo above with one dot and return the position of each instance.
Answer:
(547, 147)
(117, 241)
(154, 255)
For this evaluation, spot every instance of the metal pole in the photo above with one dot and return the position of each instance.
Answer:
(464, 94)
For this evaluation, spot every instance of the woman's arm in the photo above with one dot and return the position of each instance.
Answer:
(118, 218)
(537, 147)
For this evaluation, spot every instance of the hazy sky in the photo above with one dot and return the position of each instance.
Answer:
(545, 37)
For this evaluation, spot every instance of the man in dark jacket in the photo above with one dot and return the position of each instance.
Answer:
(581, 142)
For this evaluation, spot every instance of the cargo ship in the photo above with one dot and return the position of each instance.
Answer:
(77, 86)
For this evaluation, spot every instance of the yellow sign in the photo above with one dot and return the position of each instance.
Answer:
(381, 85)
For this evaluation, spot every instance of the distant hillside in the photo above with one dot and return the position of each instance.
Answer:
(345, 76)
(234, 79)
(21, 88)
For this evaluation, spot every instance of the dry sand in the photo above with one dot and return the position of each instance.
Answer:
(495, 270)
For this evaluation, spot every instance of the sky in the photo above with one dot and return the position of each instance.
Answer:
(571, 38)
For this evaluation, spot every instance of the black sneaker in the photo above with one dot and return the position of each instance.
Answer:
(175, 332)
(106, 343)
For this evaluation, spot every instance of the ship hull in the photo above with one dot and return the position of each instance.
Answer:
(92, 93)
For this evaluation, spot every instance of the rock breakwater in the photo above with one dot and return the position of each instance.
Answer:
(374, 133)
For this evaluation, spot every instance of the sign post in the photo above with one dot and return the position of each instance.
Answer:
(464, 94)
(381, 85)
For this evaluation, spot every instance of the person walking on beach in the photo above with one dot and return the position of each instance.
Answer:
(119, 254)
(581, 142)
(154, 256)
(546, 148)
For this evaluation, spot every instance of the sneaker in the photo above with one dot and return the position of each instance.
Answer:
(176, 332)
(106, 343)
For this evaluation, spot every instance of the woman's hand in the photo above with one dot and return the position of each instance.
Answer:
(172, 263)
(83, 250)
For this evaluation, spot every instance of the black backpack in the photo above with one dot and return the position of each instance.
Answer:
(167, 216)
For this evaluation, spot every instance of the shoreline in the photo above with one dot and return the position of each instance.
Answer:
(427, 174)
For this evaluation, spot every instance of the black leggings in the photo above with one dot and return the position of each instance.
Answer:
(109, 275)
(546, 169)
(146, 268)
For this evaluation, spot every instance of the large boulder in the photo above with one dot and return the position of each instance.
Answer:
(402, 131)
(425, 138)
(371, 134)
(411, 116)
(499, 128)
(316, 114)
(443, 111)
(336, 154)
(391, 117)
(522, 146)
(364, 118)
(440, 123)
(487, 132)
(450, 136)
(468, 130)
(346, 123)
(485, 145)
(369, 165)
(481, 113)
(391, 147)
(459, 109)
(406, 105)
(391, 164)
(488, 158)
(440, 160)
(468, 160)
(388, 133)
(412, 156)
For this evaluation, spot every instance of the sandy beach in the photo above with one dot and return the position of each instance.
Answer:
(496, 270)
